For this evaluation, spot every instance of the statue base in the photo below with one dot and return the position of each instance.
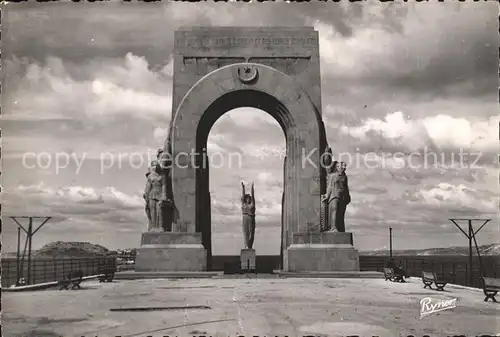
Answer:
(324, 251)
(247, 258)
(168, 251)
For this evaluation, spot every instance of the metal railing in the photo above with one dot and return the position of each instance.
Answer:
(453, 269)
(52, 269)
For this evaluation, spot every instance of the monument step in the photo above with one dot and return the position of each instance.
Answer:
(330, 274)
(136, 275)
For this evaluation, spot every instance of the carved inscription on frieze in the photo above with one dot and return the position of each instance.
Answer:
(225, 42)
(287, 65)
(205, 65)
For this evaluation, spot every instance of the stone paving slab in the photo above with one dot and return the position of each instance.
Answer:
(247, 306)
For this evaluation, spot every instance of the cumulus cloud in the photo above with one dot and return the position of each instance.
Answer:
(441, 131)
(105, 105)
(80, 212)
(460, 198)
(109, 89)
(80, 194)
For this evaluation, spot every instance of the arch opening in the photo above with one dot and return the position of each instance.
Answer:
(245, 145)
(243, 98)
(220, 107)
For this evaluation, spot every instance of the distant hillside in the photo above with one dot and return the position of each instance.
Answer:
(67, 249)
(71, 249)
(86, 249)
(492, 249)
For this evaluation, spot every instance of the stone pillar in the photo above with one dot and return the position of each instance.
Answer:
(207, 236)
(247, 259)
(285, 238)
(171, 251)
(182, 247)
(282, 244)
(322, 251)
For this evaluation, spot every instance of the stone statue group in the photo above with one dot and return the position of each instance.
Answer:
(160, 208)
(162, 213)
(336, 198)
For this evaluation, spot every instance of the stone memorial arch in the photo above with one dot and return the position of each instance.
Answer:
(277, 70)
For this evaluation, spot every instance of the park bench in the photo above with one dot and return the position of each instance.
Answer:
(74, 279)
(388, 274)
(491, 286)
(392, 276)
(428, 278)
(106, 274)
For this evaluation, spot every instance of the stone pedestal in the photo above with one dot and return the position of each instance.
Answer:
(167, 251)
(247, 258)
(327, 251)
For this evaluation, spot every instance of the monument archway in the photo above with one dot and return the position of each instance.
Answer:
(218, 69)
(271, 91)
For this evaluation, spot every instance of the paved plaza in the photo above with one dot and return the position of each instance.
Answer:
(246, 306)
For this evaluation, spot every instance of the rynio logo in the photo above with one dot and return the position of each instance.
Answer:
(430, 305)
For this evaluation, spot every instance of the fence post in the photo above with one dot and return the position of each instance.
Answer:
(33, 271)
(466, 274)
(44, 272)
(454, 273)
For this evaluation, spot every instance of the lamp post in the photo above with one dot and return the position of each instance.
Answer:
(29, 239)
(390, 242)
(471, 235)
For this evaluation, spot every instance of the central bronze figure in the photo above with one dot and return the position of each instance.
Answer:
(248, 210)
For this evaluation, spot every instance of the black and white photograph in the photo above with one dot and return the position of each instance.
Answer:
(250, 169)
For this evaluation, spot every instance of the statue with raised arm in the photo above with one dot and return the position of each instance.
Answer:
(337, 196)
(248, 210)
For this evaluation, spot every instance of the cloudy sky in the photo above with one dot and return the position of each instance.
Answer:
(89, 82)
